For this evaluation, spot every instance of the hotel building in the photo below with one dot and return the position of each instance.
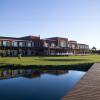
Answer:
(33, 45)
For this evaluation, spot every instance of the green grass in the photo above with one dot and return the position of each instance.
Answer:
(55, 60)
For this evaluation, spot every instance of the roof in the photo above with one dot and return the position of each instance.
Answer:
(30, 37)
(3, 37)
(82, 44)
(53, 38)
(20, 38)
(72, 41)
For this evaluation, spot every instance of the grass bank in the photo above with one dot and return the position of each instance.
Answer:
(50, 61)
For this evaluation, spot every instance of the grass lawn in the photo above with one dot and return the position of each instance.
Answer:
(55, 60)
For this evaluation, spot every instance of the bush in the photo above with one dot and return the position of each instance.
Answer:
(19, 56)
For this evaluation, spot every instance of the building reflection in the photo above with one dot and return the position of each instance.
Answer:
(28, 73)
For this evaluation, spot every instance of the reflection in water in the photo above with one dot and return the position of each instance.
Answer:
(38, 83)
(11, 72)
(28, 73)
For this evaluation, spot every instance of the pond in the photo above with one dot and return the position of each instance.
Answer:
(37, 84)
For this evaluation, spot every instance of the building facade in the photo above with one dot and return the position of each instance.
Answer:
(33, 45)
(55, 46)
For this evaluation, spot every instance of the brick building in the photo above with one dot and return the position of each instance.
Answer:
(33, 45)
(56, 46)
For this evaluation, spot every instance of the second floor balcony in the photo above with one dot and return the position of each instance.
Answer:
(18, 44)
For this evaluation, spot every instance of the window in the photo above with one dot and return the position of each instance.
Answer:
(45, 44)
(83, 47)
(14, 44)
(63, 43)
(73, 46)
(23, 44)
(53, 45)
(6, 43)
(29, 44)
(14, 52)
(87, 47)
(20, 44)
(32, 44)
(79, 46)
(29, 52)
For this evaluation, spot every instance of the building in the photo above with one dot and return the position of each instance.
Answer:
(82, 49)
(72, 46)
(33, 45)
(55, 46)
(26, 46)
(75, 48)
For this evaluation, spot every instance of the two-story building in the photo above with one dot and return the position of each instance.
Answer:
(55, 46)
(26, 46)
(72, 45)
(33, 45)
(82, 48)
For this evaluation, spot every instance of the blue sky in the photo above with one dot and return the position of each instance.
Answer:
(76, 19)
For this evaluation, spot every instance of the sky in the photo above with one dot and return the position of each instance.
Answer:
(74, 19)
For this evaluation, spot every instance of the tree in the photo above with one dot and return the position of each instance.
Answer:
(19, 56)
(94, 50)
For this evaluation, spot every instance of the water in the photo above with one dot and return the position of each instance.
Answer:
(31, 84)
